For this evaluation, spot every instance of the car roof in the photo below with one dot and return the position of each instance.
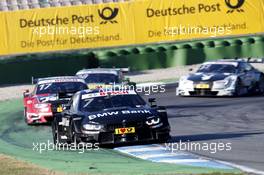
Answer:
(59, 79)
(99, 71)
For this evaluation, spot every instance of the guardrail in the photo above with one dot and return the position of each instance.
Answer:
(20, 69)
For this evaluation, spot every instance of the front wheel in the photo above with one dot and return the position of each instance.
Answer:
(25, 115)
(74, 139)
(55, 132)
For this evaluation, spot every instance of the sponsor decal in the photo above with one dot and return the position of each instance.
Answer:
(105, 93)
(121, 24)
(108, 15)
(60, 81)
(56, 21)
(115, 113)
(129, 130)
(48, 98)
(235, 6)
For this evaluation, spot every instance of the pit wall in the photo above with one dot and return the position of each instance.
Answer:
(20, 69)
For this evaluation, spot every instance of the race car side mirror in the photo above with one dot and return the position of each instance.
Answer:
(26, 93)
(152, 102)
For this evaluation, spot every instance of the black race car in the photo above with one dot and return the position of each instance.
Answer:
(110, 117)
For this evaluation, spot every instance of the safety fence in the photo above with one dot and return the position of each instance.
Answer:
(20, 69)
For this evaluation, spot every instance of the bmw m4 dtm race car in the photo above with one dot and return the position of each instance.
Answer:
(112, 117)
(222, 78)
(105, 77)
(49, 96)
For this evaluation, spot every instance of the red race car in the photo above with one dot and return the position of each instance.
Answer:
(49, 97)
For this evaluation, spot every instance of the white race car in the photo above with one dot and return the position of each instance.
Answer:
(222, 78)
(105, 77)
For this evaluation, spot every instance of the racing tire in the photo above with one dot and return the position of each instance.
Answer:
(74, 139)
(55, 132)
(260, 85)
(165, 138)
(240, 90)
(25, 116)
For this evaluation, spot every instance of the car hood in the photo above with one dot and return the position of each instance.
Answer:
(208, 77)
(120, 115)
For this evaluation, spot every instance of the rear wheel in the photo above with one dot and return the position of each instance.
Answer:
(260, 85)
(240, 89)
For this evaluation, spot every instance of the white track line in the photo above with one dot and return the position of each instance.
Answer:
(141, 149)
(243, 168)
(184, 161)
(147, 156)
(204, 158)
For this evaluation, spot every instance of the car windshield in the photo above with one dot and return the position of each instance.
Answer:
(53, 88)
(217, 68)
(108, 102)
(102, 78)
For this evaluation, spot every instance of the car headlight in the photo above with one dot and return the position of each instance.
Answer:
(92, 127)
(41, 105)
(153, 121)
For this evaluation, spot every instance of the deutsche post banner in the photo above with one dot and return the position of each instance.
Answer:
(130, 23)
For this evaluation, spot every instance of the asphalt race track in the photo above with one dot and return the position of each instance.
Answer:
(34, 144)
(239, 121)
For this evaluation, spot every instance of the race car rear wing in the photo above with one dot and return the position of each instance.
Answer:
(125, 70)
(66, 78)
(251, 60)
